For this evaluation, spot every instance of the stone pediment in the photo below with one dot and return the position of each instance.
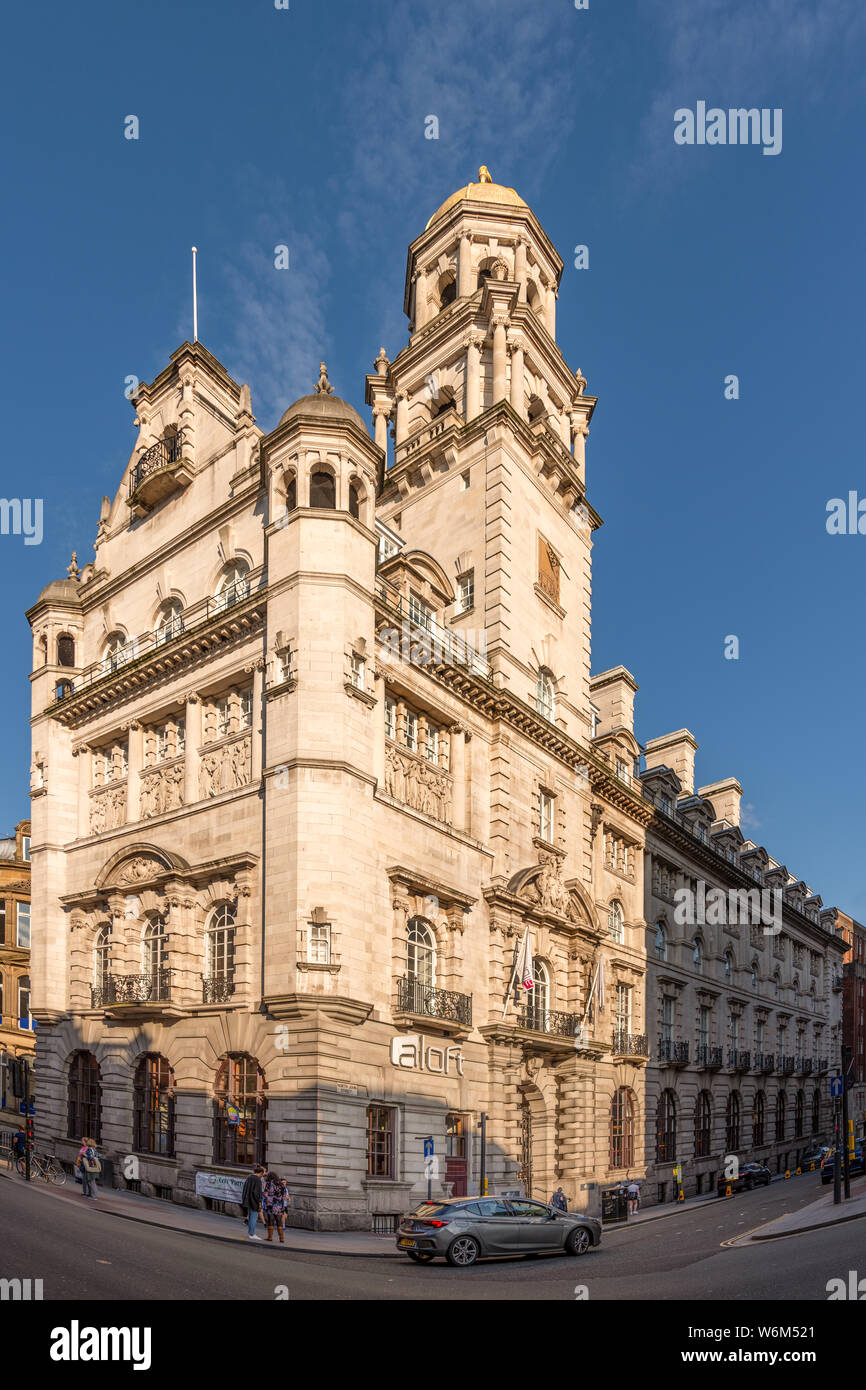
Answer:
(139, 864)
(544, 887)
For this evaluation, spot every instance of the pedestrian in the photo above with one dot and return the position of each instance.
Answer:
(89, 1165)
(19, 1143)
(251, 1200)
(274, 1203)
(633, 1193)
(559, 1200)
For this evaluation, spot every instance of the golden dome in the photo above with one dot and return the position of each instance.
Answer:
(484, 192)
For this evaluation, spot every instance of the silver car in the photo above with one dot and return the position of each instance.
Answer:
(467, 1229)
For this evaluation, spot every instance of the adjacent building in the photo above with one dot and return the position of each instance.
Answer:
(316, 745)
(854, 1013)
(17, 1038)
(744, 988)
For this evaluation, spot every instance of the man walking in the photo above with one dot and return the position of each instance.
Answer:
(633, 1193)
(251, 1201)
(559, 1200)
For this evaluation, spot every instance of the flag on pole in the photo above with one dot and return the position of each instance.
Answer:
(599, 987)
(524, 962)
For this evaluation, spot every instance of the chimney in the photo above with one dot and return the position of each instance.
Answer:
(676, 751)
(725, 797)
(613, 692)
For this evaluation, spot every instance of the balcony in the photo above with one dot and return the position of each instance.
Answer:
(819, 1065)
(785, 1066)
(633, 1046)
(709, 1058)
(765, 1061)
(804, 1066)
(673, 1054)
(421, 640)
(548, 1021)
(217, 989)
(739, 1060)
(836, 982)
(449, 1011)
(127, 996)
(159, 472)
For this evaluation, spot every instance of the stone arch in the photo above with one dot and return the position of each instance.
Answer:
(144, 861)
(536, 1137)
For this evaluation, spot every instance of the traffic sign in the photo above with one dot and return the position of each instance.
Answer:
(836, 1086)
(428, 1148)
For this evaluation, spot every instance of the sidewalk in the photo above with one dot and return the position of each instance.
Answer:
(817, 1214)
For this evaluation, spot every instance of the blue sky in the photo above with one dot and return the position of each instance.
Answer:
(305, 127)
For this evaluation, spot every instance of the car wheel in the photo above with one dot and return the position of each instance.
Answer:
(578, 1241)
(420, 1257)
(462, 1252)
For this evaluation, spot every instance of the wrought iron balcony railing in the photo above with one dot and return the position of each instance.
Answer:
(132, 989)
(707, 1056)
(765, 1061)
(160, 455)
(675, 1054)
(630, 1044)
(425, 642)
(820, 1064)
(804, 1066)
(739, 1060)
(548, 1021)
(786, 1065)
(217, 989)
(413, 997)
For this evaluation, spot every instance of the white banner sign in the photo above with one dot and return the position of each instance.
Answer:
(221, 1186)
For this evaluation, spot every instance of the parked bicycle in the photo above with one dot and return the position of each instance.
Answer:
(45, 1166)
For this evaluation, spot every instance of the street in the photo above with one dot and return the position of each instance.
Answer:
(80, 1253)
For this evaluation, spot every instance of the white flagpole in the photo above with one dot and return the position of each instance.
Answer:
(194, 299)
(591, 992)
(517, 959)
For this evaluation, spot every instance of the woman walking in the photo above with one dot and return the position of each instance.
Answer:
(89, 1166)
(275, 1200)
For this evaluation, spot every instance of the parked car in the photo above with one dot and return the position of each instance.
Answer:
(466, 1229)
(750, 1175)
(816, 1159)
(856, 1165)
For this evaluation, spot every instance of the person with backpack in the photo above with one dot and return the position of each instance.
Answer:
(89, 1165)
(251, 1201)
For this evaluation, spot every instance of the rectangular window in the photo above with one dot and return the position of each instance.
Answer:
(432, 749)
(246, 709)
(420, 612)
(180, 739)
(2, 922)
(623, 1009)
(465, 592)
(545, 816)
(22, 923)
(759, 1035)
(548, 569)
(622, 771)
(223, 716)
(380, 1141)
(358, 671)
(319, 943)
(163, 750)
(390, 716)
(24, 1019)
(412, 730)
(704, 1026)
(667, 1018)
(25, 848)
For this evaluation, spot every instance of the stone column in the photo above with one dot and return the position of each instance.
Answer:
(520, 268)
(381, 416)
(517, 375)
(193, 740)
(85, 781)
(472, 345)
(550, 310)
(420, 299)
(464, 267)
(500, 325)
(187, 417)
(458, 773)
(379, 731)
(579, 433)
(133, 781)
(257, 722)
(402, 416)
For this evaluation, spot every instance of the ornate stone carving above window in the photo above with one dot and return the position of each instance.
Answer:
(225, 768)
(108, 810)
(161, 790)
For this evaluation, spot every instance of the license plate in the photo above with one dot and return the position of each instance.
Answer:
(406, 1244)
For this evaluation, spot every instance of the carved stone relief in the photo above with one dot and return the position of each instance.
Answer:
(416, 783)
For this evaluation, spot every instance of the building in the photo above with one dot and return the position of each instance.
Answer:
(316, 744)
(17, 1038)
(743, 995)
(854, 1013)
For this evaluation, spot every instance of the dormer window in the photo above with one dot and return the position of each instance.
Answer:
(665, 804)
(119, 651)
(234, 585)
(421, 613)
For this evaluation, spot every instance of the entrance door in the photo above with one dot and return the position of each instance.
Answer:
(456, 1154)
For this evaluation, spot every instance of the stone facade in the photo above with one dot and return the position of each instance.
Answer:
(17, 1037)
(743, 998)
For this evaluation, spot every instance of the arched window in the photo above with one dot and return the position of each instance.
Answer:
(732, 1122)
(545, 695)
(420, 953)
(661, 942)
(781, 1114)
(703, 1124)
(697, 956)
(666, 1128)
(169, 622)
(533, 298)
(622, 1127)
(728, 963)
(537, 1012)
(65, 650)
(447, 289)
(24, 1018)
(84, 1098)
(615, 922)
(233, 586)
(153, 954)
(816, 1112)
(119, 651)
(101, 964)
(153, 1106)
(62, 689)
(323, 490)
(291, 493)
(355, 499)
(777, 984)
(799, 1114)
(758, 1120)
(754, 976)
(219, 976)
(240, 1112)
